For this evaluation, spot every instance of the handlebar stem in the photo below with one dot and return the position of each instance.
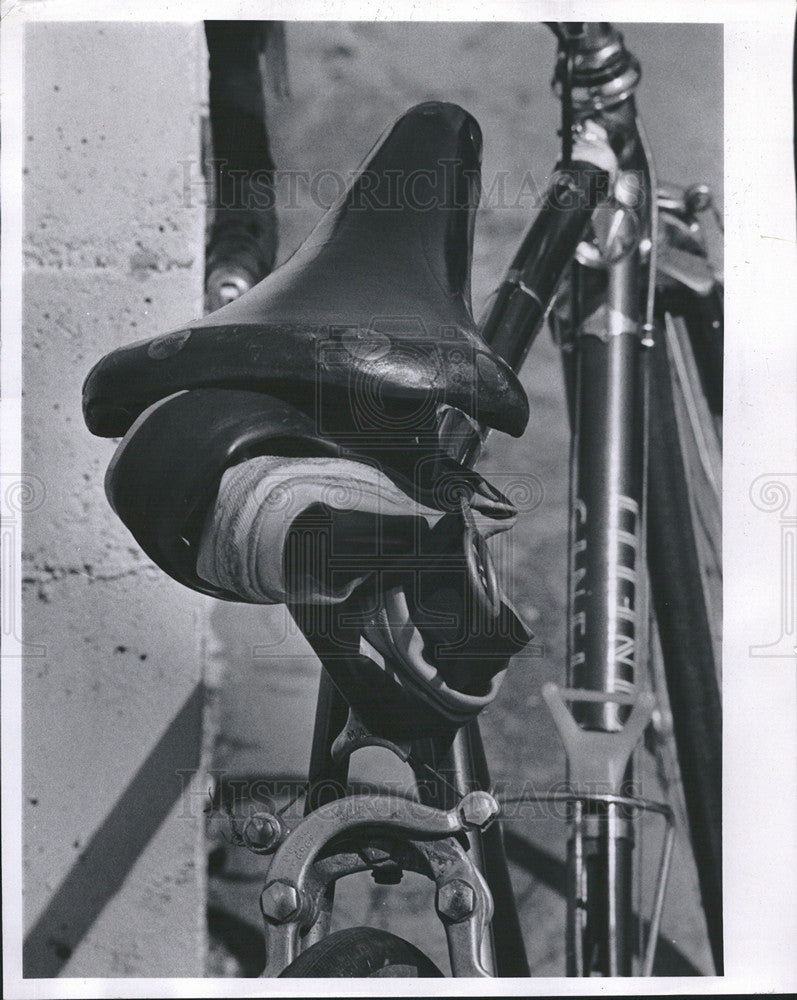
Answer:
(604, 72)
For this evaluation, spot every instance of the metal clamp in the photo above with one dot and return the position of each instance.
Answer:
(598, 759)
(606, 323)
(597, 763)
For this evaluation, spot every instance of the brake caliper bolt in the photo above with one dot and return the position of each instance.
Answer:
(280, 902)
(456, 900)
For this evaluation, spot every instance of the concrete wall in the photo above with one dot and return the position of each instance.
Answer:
(113, 702)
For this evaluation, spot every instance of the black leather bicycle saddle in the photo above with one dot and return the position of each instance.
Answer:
(371, 314)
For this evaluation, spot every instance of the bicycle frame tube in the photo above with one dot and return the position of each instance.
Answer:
(535, 272)
(607, 493)
(326, 778)
(463, 765)
(525, 295)
(606, 576)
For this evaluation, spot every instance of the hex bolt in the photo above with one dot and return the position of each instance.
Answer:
(456, 900)
(698, 198)
(477, 810)
(263, 832)
(378, 849)
(280, 901)
(628, 189)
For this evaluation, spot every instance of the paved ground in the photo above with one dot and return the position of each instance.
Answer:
(349, 81)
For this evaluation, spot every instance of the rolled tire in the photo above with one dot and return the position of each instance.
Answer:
(361, 952)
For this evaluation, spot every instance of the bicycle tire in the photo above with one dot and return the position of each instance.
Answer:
(687, 621)
(361, 952)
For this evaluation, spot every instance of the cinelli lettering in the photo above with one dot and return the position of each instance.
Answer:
(625, 567)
